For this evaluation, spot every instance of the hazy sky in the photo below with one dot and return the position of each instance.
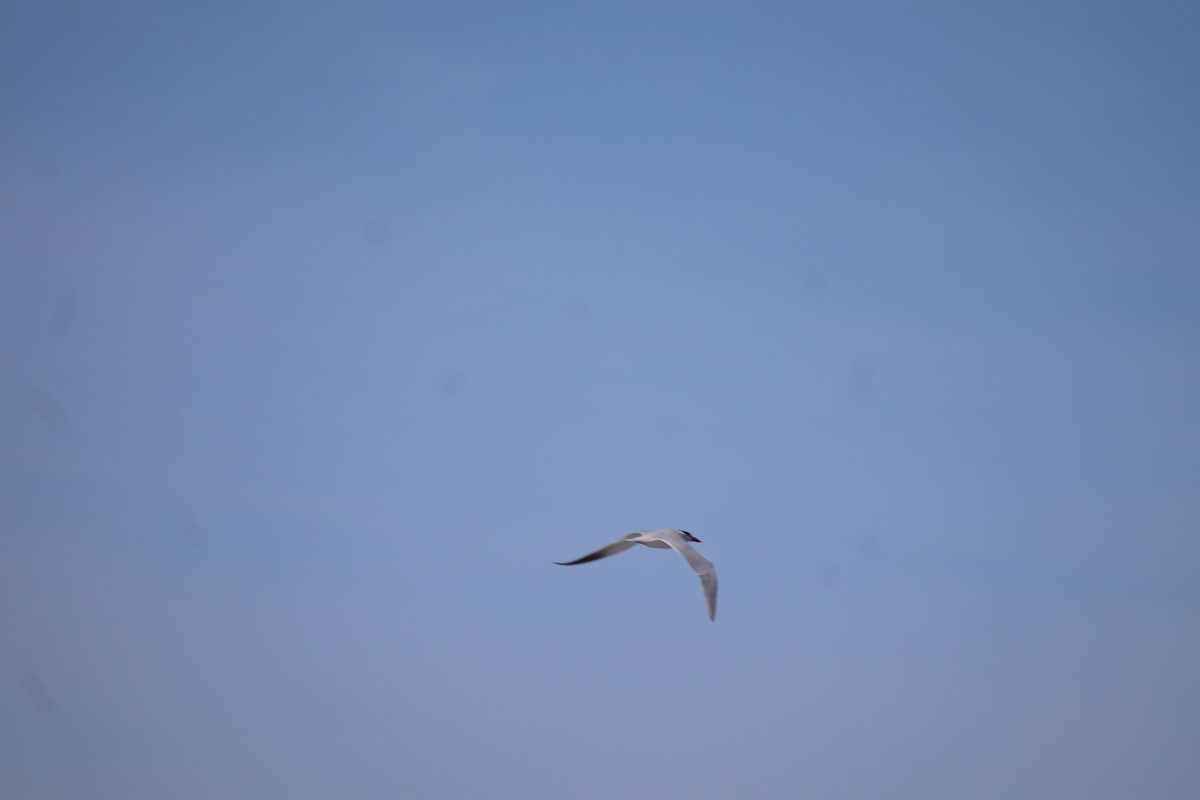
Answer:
(325, 330)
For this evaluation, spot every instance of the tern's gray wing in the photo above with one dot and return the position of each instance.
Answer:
(619, 546)
(703, 567)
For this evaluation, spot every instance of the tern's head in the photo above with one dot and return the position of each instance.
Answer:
(689, 537)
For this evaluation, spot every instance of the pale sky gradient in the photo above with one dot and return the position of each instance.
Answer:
(324, 330)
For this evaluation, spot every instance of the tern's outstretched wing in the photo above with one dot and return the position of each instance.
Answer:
(703, 567)
(619, 546)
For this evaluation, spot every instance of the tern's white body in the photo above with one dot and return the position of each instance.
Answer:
(662, 539)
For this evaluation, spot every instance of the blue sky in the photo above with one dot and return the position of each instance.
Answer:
(325, 330)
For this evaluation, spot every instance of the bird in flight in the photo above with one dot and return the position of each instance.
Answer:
(662, 539)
